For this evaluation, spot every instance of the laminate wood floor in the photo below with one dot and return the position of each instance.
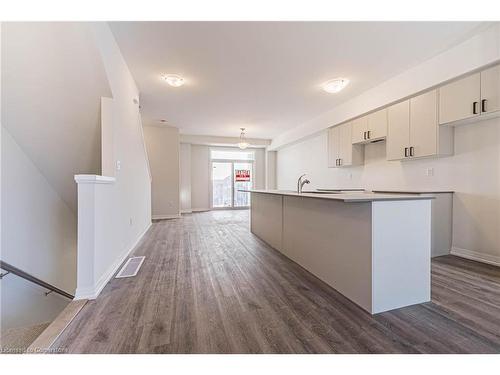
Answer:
(209, 286)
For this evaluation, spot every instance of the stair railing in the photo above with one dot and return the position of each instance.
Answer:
(18, 272)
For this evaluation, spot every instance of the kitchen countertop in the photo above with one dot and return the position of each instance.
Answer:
(350, 197)
(413, 191)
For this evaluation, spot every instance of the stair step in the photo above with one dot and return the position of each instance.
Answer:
(43, 342)
(17, 340)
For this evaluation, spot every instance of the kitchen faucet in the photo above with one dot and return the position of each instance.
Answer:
(301, 183)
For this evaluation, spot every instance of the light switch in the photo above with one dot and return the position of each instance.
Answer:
(118, 165)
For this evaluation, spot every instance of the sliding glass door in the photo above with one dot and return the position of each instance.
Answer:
(228, 177)
(222, 185)
(243, 173)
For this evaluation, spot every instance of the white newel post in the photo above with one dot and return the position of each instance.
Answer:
(88, 186)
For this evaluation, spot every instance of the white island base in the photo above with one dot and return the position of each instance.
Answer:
(376, 252)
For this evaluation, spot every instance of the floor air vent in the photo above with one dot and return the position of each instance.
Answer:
(131, 267)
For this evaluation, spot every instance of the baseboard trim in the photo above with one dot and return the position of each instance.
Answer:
(93, 293)
(164, 217)
(477, 256)
(200, 209)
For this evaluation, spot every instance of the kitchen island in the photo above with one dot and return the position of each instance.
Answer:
(373, 248)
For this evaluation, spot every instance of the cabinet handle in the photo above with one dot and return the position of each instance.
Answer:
(411, 151)
(340, 162)
(483, 105)
(368, 134)
(474, 108)
(406, 152)
(337, 162)
(364, 135)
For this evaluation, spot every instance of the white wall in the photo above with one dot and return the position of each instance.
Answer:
(473, 173)
(259, 166)
(217, 141)
(185, 177)
(25, 304)
(52, 82)
(271, 182)
(133, 185)
(200, 178)
(113, 217)
(38, 236)
(163, 151)
(53, 78)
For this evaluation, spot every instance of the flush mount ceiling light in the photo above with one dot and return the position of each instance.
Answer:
(243, 144)
(335, 85)
(173, 80)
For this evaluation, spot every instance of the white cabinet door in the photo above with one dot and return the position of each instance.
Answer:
(333, 146)
(398, 130)
(490, 89)
(345, 147)
(460, 99)
(341, 151)
(423, 125)
(377, 124)
(359, 129)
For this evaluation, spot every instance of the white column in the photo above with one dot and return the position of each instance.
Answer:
(86, 244)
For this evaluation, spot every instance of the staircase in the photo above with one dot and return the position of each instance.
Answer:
(36, 337)
(17, 340)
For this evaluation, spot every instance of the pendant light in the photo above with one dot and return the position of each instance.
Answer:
(243, 144)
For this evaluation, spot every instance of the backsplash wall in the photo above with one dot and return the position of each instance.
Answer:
(473, 173)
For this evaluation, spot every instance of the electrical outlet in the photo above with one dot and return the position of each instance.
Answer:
(429, 172)
(118, 165)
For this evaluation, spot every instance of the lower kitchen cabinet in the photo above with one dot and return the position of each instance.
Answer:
(441, 219)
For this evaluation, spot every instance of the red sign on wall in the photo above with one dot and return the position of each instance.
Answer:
(242, 175)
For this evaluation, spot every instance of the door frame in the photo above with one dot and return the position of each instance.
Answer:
(211, 184)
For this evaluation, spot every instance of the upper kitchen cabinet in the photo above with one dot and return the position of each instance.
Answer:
(470, 97)
(490, 90)
(424, 128)
(333, 146)
(398, 131)
(370, 128)
(359, 129)
(377, 125)
(341, 151)
(413, 129)
(460, 99)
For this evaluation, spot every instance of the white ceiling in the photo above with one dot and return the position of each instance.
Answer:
(266, 76)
